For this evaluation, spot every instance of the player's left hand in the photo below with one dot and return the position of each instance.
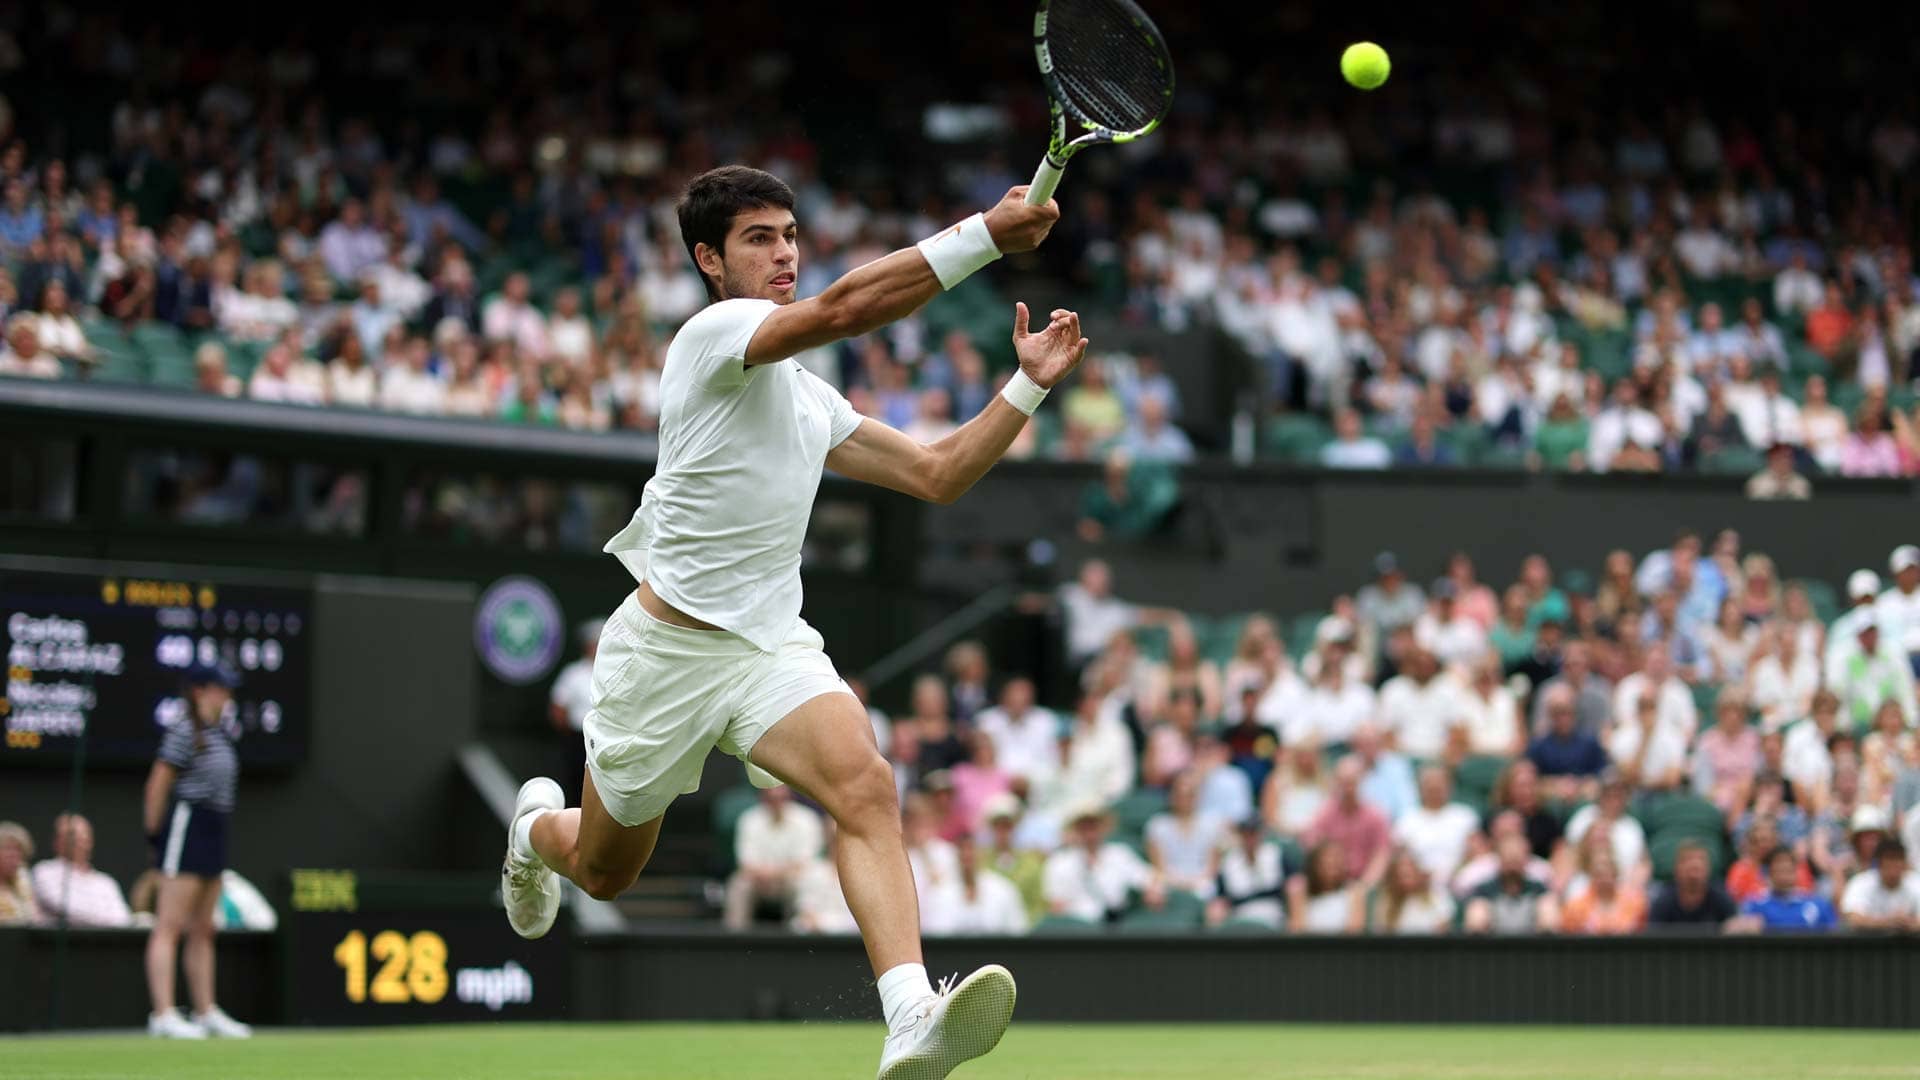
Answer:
(1050, 354)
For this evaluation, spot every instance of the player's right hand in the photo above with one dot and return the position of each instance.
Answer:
(1015, 226)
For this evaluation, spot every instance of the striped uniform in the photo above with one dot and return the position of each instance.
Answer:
(193, 838)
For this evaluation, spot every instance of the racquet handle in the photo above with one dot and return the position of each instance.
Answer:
(1045, 179)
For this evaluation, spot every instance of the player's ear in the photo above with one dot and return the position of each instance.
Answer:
(707, 259)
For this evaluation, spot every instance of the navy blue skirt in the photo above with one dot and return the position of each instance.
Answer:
(193, 840)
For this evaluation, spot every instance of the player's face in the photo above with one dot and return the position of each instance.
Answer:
(762, 260)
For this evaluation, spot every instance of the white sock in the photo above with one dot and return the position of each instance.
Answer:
(902, 987)
(523, 835)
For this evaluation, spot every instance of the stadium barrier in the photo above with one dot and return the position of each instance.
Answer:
(1844, 981)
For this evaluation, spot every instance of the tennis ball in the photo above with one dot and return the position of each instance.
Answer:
(1365, 65)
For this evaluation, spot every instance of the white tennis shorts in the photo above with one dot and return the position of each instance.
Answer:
(664, 695)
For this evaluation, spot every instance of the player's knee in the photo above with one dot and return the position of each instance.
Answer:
(604, 884)
(868, 800)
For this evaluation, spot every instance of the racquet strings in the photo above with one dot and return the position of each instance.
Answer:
(1111, 65)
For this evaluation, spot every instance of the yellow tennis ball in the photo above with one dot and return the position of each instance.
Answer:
(1365, 64)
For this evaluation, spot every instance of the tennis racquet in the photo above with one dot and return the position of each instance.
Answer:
(1106, 66)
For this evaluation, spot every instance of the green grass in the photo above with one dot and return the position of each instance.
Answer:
(1029, 1052)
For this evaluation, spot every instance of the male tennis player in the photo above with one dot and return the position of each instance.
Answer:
(711, 650)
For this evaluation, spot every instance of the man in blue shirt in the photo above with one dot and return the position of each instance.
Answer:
(1785, 909)
(1570, 760)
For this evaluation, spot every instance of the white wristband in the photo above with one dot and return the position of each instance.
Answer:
(1023, 393)
(958, 250)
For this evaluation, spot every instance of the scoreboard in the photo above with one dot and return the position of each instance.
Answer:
(100, 657)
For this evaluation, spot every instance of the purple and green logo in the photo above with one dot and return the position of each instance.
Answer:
(517, 629)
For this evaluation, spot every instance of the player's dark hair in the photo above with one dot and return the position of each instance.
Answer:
(714, 198)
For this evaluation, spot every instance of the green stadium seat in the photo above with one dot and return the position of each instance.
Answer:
(1134, 809)
(1666, 845)
(1667, 813)
(1823, 596)
(1300, 631)
(1474, 778)
(1183, 913)
(1246, 926)
(1733, 461)
(725, 813)
(1066, 924)
(1297, 438)
(1705, 696)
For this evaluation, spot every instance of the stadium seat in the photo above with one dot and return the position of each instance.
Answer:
(1823, 596)
(1300, 631)
(1246, 926)
(1183, 913)
(1662, 814)
(1705, 694)
(1066, 924)
(1666, 845)
(1134, 809)
(726, 811)
(1297, 438)
(1474, 779)
(1733, 461)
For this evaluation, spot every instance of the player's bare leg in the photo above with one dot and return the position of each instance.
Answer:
(825, 749)
(585, 845)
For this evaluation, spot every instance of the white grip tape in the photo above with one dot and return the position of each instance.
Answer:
(958, 250)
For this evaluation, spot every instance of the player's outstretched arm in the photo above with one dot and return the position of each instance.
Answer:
(943, 471)
(897, 285)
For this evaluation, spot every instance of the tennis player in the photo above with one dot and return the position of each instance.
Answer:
(710, 650)
(189, 795)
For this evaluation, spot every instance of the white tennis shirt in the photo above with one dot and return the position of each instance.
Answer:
(719, 527)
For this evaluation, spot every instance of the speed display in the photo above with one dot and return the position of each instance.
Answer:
(100, 656)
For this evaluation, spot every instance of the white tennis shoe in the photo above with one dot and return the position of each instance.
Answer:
(957, 1024)
(173, 1024)
(529, 888)
(216, 1023)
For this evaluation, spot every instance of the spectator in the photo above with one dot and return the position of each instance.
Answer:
(1513, 902)
(1693, 898)
(1351, 447)
(1592, 695)
(974, 783)
(1843, 639)
(1092, 406)
(1829, 324)
(1564, 437)
(511, 317)
(1471, 598)
(1490, 716)
(1804, 757)
(1420, 707)
(1757, 339)
(940, 745)
(1296, 790)
(1606, 904)
(1225, 792)
(1361, 832)
(1130, 502)
(349, 245)
(210, 371)
(60, 332)
(1872, 676)
(1728, 755)
(1796, 290)
(258, 312)
(1324, 899)
(1674, 706)
(1436, 832)
(1779, 480)
(1390, 601)
(976, 901)
(1153, 437)
(1252, 879)
(17, 905)
(1623, 435)
(1569, 760)
(1650, 752)
(773, 844)
(409, 387)
(1336, 706)
(1025, 735)
(21, 222)
(350, 379)
(1518, 789)
(1870, 450)
(1093, 613)
(23, 356)
(1825, 426)
(1625, 838)
(1094, 879)
(1748, 876)
(69, 889)
(452, 297)
(1171, 740)
(1789, 904)
(1484, 862)
(933, 860)
(819, 904)
(1769, 801)
(1183, 843)
(1452, 637)
(1098, 759)
(1022, 865)
(1886, 897)
(1185, 671)
(1410, 901)
(287, 378)
(1898, 609)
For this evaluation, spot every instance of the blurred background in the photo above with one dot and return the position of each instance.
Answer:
(1486, 508)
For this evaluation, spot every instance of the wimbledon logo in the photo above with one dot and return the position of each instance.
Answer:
(517, 629)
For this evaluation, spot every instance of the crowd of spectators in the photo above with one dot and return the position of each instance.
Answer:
(1683, 738)
(1446, 284)
(67, 888)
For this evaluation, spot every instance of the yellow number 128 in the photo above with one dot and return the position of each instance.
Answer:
(411, 969)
